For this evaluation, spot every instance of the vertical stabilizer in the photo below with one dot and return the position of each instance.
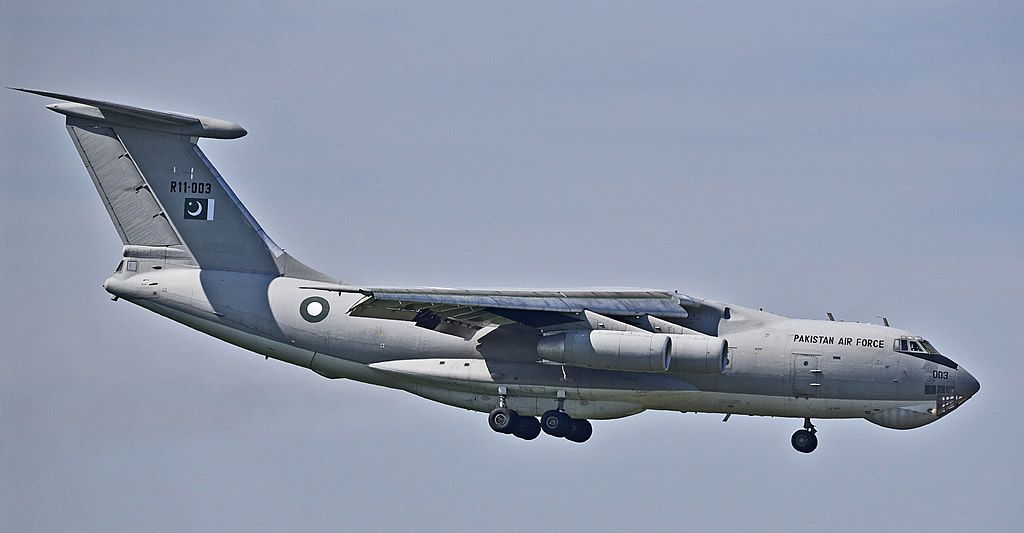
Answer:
(160, 190)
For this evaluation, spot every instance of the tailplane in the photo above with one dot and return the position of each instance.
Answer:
(162, 193)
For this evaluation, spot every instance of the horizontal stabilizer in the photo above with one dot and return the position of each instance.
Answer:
(137, 117)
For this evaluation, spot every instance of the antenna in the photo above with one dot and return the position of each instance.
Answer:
(832, 318)
(884, 320)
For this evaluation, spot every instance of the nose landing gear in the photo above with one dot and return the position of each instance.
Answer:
(804, 440)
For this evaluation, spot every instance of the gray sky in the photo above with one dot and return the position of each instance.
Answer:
(861, 159)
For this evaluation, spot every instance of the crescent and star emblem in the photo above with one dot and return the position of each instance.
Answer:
(198, 209)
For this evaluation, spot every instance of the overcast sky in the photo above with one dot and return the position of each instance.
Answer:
(863, 158)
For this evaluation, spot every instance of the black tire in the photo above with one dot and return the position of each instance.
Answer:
(804, 441)
(502, 420)
(526, 427)
(555, 423)
(579, 430)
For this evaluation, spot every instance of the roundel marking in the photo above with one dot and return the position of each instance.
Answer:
(314, 309)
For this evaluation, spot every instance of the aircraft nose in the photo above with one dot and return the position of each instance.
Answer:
(966, 384)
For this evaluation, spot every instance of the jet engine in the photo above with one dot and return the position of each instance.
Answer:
(698, 354)
(635, 351)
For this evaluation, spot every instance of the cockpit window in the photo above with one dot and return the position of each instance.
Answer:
(914, 345)
(918, 347)
(120, 267)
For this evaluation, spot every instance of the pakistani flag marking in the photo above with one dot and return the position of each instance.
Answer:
(198, 209)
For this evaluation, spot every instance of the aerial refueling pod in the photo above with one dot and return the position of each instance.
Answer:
(635, 351)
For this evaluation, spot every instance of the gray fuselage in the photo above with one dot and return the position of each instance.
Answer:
(776, 366)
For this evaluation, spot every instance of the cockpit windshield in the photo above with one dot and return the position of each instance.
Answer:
(920, 348)
(914, 345)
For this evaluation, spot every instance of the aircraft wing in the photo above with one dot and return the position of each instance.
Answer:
(461, 311)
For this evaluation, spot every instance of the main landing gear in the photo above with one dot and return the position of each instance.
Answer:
(804, 440)
(505, 420)
(558, 424)
(554, 422)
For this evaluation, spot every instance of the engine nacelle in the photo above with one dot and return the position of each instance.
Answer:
(608, 350)
(636, 351)
(698, 354)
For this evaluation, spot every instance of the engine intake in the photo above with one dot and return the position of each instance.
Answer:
(636, 351)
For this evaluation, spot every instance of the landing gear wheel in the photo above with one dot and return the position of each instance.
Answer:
(804, 441)
(502, 420)
(555, 423)
(526, 427)
(579, 430)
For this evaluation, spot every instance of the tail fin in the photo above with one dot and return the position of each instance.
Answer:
(161, 191)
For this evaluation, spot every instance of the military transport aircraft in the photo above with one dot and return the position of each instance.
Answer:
(193, 253)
